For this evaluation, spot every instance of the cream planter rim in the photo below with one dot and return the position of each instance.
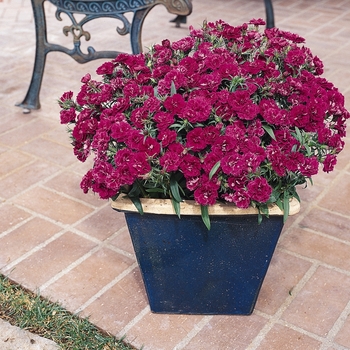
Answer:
(190, 207)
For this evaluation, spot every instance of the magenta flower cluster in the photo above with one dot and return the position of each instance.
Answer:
(226, 114)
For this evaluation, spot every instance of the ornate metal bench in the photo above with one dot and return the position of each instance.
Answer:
(91, 9)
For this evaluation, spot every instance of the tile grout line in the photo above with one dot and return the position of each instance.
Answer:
(65, 229)
(62, 225)
(194, 331)
(10, 173)
(67, 196)
(329, 340)
(35, 214)
(326, 235)
(99, 245)
(324, 342)
(86, 236)
(106, 243)
(312, 32)
(332, 212)
(315, 261)
(136, 319)
(338, 324)
(69, 268)
(15, 227)
(276, 317)
(107, 287)
(32, 251)
(320, 196)
(42, 183)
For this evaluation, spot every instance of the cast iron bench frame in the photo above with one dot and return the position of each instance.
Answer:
(93, 9)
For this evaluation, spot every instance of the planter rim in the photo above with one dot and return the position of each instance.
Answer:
(190, 207)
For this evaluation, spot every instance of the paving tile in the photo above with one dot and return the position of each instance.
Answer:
(55, 256)
(281, 337)
(319, 304)
(11, 216)
(68, 182)
(24, 238)
(3, 149)
(53, 205)
(338, 196)
(341, 76)
(308, 195)
(59, 134)
(84, 281)
(27, 130)
(323, 179)
(11, 160)
(284, 273)
(290, 222)
(318, 247)
(42, 148)
(171, 329)
(26, 176)
(327, 29)
(82, 168)
(123, 241)
(227, 332)
(343, 336)
(332, 224)
(119, 305)
(343, 158)
(103, 223)
(8, 123)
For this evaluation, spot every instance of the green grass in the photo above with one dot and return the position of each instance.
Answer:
(29, 311)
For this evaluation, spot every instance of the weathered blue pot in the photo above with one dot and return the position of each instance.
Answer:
(187, 269)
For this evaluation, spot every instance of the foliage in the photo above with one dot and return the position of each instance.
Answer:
(225, 114)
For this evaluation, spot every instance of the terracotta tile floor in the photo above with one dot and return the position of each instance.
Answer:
(77, 251)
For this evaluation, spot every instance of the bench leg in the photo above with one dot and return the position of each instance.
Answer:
(270, 20)
(136, 30)
(31, 100)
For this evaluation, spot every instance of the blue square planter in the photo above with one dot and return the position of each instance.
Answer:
(187, 269)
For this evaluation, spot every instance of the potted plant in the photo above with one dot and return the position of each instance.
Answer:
(228, 118)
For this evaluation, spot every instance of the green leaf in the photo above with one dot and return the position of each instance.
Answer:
(264, 209)
(295, 194)
(176, 206)
(172, 89)
(298, 134)
(135, 191)
(176, 125)
(137, 203)
(156, 94)
(285, 206)
(174, 189)
(154, 190)
(279, 204)
(273, 198)
(214, 169)
(205, 216)
(269, 130)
